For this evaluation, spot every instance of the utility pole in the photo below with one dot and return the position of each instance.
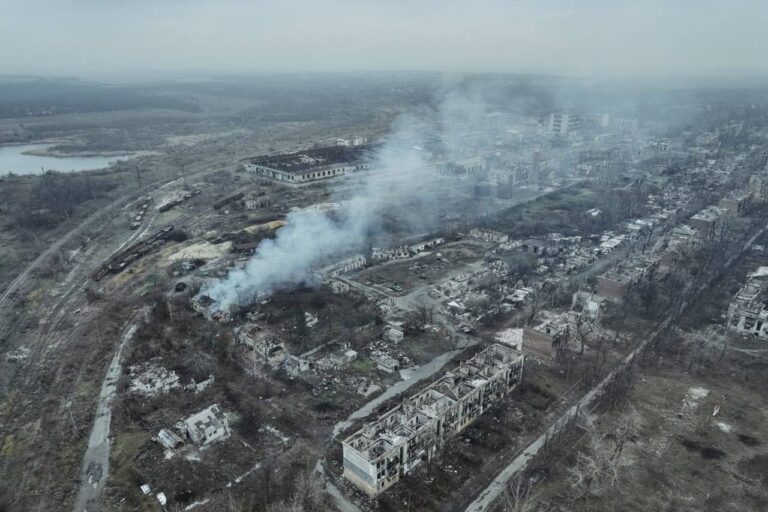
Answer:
(138, 175)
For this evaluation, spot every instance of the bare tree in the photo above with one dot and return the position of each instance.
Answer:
(308, 495)
(518, 497)
(536, 301)
(598, 467)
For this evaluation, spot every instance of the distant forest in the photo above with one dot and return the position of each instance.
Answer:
(42, 97)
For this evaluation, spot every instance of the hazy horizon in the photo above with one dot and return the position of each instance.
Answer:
(595, 38)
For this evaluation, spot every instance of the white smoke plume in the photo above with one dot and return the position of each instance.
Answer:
(400, 169)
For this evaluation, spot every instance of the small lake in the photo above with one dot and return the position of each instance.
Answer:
(13, 159)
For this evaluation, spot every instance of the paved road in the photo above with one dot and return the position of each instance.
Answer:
(95, 466)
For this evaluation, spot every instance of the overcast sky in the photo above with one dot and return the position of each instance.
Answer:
(592, 37)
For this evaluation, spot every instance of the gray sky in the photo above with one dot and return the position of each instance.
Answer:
(588, 37)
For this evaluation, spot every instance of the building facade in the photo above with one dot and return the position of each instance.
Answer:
(382, 452)
(747, 313)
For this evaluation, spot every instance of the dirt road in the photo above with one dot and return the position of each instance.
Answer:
(95, 467)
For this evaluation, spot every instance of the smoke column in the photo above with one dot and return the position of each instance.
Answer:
(400, 168)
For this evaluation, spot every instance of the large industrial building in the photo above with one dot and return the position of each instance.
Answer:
(310, 165)
(380, 453)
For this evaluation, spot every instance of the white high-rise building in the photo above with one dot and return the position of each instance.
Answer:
(564, 122)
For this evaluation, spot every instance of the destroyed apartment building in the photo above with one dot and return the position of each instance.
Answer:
(548, 337)
(616, 282)
(707, 221)
(735, 203)
(309, 165)
(673, 247)
(747, 313)
(382, 452)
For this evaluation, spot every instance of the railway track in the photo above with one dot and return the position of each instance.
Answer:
(45, 344)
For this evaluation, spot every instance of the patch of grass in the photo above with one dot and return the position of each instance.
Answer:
(86, 389)
(126, 447)
(123, 477)
(10, 448)
(363, 365)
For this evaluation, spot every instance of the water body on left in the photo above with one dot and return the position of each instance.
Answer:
(16, 159)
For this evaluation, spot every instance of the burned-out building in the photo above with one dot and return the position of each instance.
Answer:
(489, 235)
(257, 201)
(208, 426)
(616, 282)
(263, 342)
(309, 165)
(747, 313)
(206, 306)
(547, 337)
(382, 452)
(675, 245)
(736, 203)
(706, 221)
(425, 244)
(394, 253)
(340, 267)
(758, 184)
(462, 166)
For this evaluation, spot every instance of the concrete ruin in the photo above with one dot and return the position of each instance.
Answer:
(545, 339)
(206, 306)
(747, 313)
(422, 246)
(735, 203)
(271, 350)
(489, 235)
(589, 304)
(150, 380)
(395, 253)
(208, 426)
(707, 220)
(382, 452)
(294, 366)
(340, 267)
(674, 247)
(616, 282)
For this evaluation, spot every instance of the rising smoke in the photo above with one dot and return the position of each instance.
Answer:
(400, 169)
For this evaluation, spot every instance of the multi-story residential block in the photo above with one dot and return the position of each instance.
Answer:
(381, 452)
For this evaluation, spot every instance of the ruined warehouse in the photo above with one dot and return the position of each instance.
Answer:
(380, 453)
(309, 165)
